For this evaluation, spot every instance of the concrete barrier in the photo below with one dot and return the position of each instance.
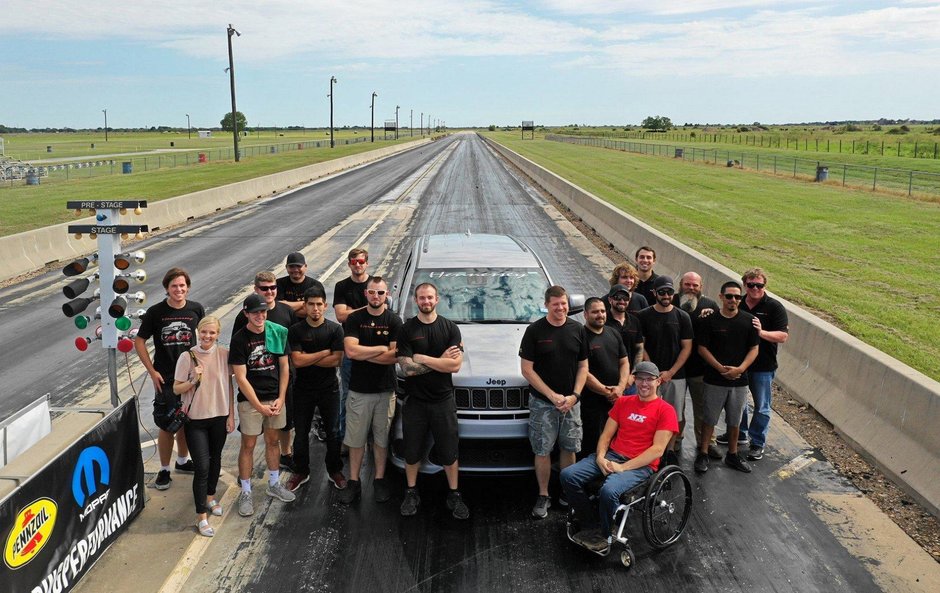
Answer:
(889, 411)
(31, 250)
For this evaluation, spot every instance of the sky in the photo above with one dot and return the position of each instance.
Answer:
(467, 62)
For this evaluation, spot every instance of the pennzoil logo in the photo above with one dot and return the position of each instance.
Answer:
(30, 533)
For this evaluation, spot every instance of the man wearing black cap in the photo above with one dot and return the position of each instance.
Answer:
(667, 333)
(637, 432)
(619, 299)
(291, 288)
(259, 363)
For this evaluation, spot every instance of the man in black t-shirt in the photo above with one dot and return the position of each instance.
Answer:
(172, 325)
(261, 371)
(370, 338)
(619, 300)
(608, 373)
(728, 345)
(349, 295)
(316, 349)
(554, 362)
(291, 288)
(645, 260)
(430, 351)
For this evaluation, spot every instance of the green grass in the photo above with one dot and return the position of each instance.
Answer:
(24, 207)
(868, 262)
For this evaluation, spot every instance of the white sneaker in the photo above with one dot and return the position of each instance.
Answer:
(246, 507)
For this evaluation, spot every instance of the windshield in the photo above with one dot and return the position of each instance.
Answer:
(485, 295)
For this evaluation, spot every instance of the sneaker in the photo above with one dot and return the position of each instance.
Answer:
(381, 490)
(540, 510)
(754, 453)
(562, 501)
(287, 462)
(592, 539)
(734, 460)
(351, 493)
(722, 439)
(338, 480)
(246, 507)
(456, 504)
(163, 480)
(296, 481)
(715, 453)
(701, 463)
(281, 493)
(186, 468)
(409, 506)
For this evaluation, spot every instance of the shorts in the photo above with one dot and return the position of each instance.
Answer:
(162, 405)
(418, 417)
(730, 399)
(547, 424)
(673, 393)
(365, 411)
(252, 423)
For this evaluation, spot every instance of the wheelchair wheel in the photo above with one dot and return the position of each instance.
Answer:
(667, 508)
(627, 558)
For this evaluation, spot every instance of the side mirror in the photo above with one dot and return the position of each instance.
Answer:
(575, 304)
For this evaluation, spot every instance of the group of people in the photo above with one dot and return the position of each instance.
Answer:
(610, 392)
(284, 356)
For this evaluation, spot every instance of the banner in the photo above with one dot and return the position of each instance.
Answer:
(60, 521)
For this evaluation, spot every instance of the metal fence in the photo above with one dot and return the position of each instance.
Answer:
(14, 173)
(905, 181)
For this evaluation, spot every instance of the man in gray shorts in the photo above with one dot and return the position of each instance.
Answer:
(554, 353)
(371, 336)
(728, 343)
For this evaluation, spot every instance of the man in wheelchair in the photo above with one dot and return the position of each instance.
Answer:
(629, 450)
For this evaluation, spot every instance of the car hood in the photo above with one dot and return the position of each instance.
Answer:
(491, 355)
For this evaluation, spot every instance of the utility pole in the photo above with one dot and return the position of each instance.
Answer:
(396, 122)
(332, 81)
(231, 79)
(189, 128)
(105, 111)
(374, 95)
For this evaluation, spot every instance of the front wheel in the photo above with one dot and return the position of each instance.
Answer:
(627, 558)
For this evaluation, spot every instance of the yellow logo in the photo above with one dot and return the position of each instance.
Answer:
(30, 532)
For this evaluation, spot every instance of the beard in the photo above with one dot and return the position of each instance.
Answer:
(688, 302)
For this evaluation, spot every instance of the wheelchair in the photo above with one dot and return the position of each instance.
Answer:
(665, 500)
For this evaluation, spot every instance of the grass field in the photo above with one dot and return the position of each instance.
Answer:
(867, 262)
(26, 207)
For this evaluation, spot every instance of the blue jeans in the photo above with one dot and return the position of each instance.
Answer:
(575, 477)
(345, 372)
(759, 384)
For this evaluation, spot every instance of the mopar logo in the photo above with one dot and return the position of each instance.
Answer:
(92, 471)
(496, 381)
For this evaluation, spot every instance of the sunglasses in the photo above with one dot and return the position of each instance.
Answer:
(735, 297)
(620, 298)
(755, 285)
(376, 292)
(360, 262)
(665, 291)
(269, 288)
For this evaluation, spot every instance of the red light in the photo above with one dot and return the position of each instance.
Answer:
(125, 345)
(82, 343)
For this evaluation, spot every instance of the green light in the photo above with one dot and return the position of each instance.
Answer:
(81, 322)
(122, 323)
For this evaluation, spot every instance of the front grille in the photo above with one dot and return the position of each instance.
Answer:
(515, 398)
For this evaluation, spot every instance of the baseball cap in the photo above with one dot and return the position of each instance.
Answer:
(617, 289)
(254, 303)
(646, 368)
(296, 259)
(662, 282)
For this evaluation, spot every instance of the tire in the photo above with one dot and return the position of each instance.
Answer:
(627, 559)
(667, 507)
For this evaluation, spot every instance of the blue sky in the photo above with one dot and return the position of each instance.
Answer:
(468, 62)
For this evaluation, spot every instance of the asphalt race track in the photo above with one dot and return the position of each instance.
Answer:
(767, 531)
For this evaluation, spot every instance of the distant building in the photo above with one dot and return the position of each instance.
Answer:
(205, 133)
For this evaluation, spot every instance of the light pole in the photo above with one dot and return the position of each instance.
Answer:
(411, 123)
(105, 112)
(396, 121)
(332, 80)
(422, 124)
(374, 95)
(189, 128)
(231, 77)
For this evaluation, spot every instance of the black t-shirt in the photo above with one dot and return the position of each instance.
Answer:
(302, 337)
(263, 370)
(555, 353)
(604, 353)
(645, 289)
(349, 293)
(430, 339)
(695, 366)
(729, 341)
(281, 314)
(631, 333)
(372, 330)
(663, 333)
(294, 293)
(173, 332)
(773, 317)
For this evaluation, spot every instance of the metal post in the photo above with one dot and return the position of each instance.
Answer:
(396, 121)
(231, 78)
(332, 80)
(189, 128)
(411, 123)
(112, 376)
(105, 111)
(374, 95)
